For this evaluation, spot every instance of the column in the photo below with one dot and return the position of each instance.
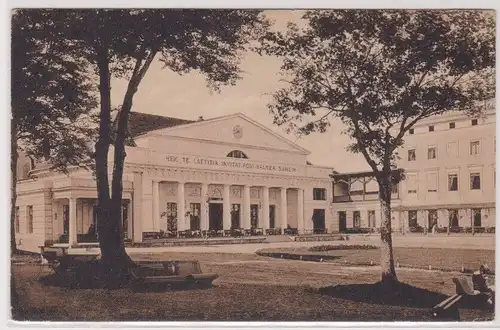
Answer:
(283, 209)
(300, 211)
(246, 208)
(156, 206)
(265, 208)
(204, 207)
(181, 208)
(226, 211)
(136, 213)
(72, 239)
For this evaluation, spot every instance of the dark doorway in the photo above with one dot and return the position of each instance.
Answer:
(453, 218)
(215, 216)
(432, 219)
(272, 216)
(318, 221)
(194, 216)
(125, 207)
(235, 216)
(342, 221)
(254, 216)
(476, 214)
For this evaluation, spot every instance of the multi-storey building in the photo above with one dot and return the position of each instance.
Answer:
(449, 161)
(209, 175)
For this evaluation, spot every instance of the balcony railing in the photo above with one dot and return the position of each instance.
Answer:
(360, 197)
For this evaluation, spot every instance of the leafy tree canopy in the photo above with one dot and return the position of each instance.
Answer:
(381, 72)
(51, 97)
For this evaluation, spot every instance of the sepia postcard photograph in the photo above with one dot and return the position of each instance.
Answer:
(216, 164)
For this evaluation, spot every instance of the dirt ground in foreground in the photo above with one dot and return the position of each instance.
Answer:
(249, 288)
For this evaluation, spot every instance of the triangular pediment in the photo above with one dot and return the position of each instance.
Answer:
(235, 129)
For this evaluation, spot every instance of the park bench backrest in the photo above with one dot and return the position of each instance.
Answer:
(168, 268)
(463, 286)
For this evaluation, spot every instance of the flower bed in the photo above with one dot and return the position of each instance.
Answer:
(321, 248)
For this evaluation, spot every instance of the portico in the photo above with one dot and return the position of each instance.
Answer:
(187, 205)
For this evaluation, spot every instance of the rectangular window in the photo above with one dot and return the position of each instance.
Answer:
(474, 122)
(412, 219)
(394, 188)
(431, 153)
(452, 182)
(411, 131)
(431, 128)
(475, 181)
(29, 218)
(319, 194)
(17, 224)
(412, 183)
(474, 147)
(412, 155)
(476, 217)
(452, 125)
(356, 219)
(432, 182)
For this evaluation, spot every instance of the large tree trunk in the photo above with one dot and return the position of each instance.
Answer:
(108, 215)
(386, 253)
(13, 187)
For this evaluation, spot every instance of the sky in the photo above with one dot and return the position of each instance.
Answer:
(164, 92)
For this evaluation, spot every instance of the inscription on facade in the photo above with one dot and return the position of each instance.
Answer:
(229, 164)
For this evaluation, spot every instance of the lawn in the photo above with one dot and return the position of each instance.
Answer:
(249, 288)
(445, 259)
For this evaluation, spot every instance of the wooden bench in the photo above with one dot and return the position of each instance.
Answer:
(170, 273)
(447, 308)
(464, 291)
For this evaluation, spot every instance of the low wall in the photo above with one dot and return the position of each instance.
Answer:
(188, 242)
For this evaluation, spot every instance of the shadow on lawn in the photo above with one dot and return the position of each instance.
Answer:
(91, 281)
(401, 295)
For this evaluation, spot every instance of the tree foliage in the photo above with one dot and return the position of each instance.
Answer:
(52, 97)
(124, 43)
(380, 72)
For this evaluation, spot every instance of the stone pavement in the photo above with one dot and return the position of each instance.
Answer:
(481, 242)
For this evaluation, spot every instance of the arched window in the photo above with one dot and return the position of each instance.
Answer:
(237, 154)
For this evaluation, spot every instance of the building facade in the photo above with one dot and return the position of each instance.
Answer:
(210, 175)
(449, 162)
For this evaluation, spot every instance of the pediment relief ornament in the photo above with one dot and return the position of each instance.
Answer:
(194, 191)
(171, 189)
(236, 192)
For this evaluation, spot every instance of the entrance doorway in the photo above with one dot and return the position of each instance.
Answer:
(432, 219)
(215, 216)
(272, 216)
(235, 216)
(342, 221)
(318, 221)
(254, 216)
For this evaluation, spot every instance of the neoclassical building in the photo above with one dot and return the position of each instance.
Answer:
(217, 174)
